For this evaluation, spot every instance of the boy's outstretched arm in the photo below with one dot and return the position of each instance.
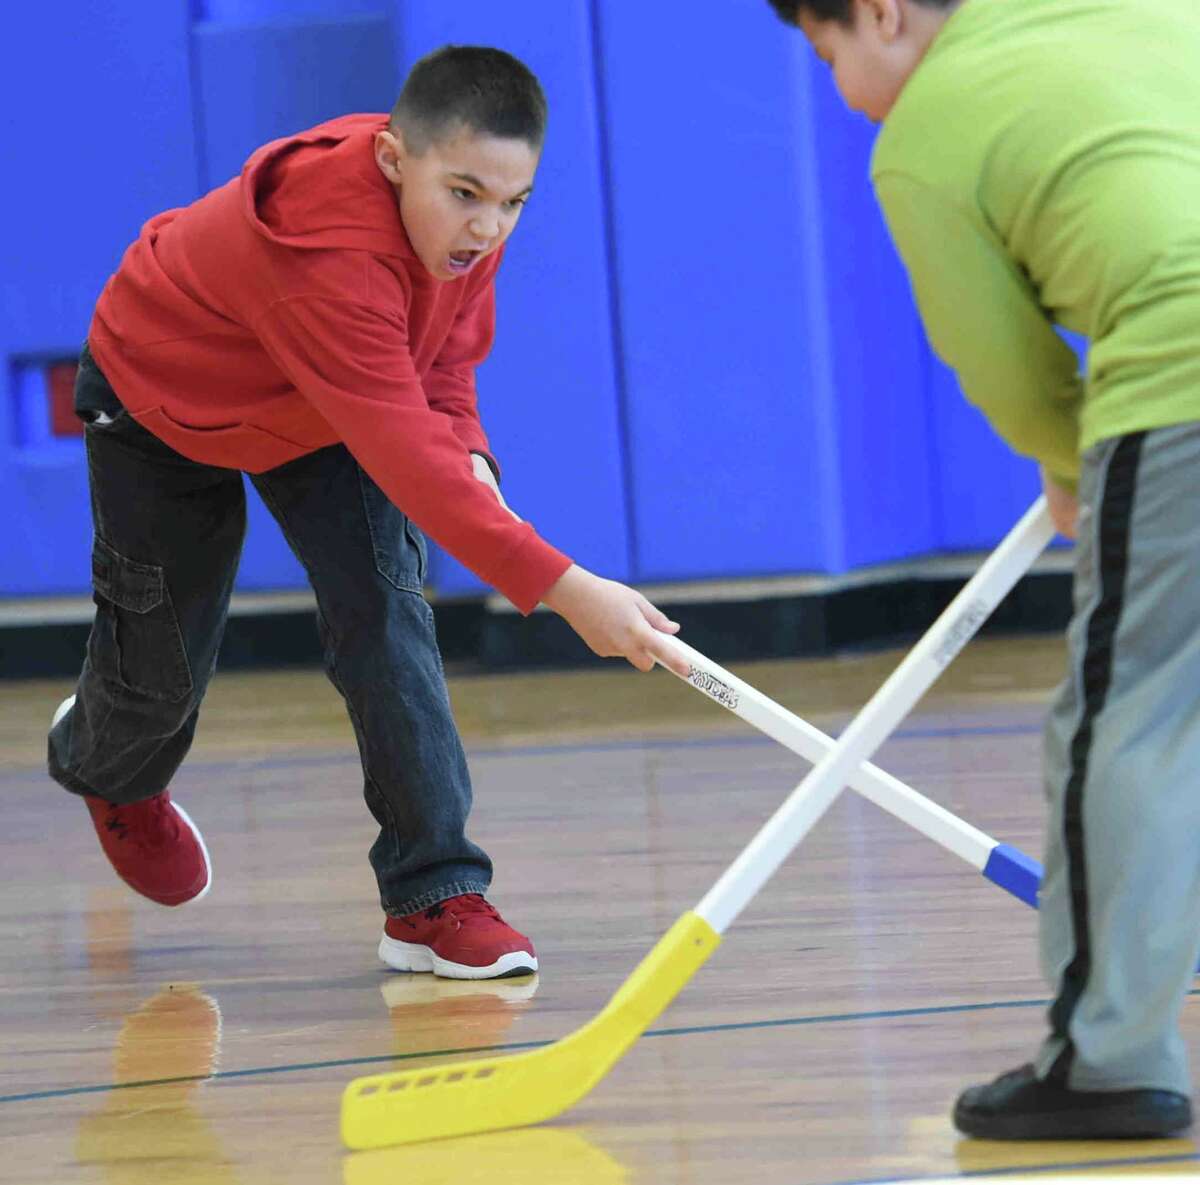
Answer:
(610, 617)
(983, 317)
(369, 393)
(614, 621)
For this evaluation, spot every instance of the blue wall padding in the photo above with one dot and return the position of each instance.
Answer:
(267, 560)
(258, 82)
(981, 487)
(548, 394)
(879, 358)
(30, 402)
(103, 139)
(252, 12)
(732, 435)
(1012, 870)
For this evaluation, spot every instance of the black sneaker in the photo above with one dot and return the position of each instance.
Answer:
(1019, 1106)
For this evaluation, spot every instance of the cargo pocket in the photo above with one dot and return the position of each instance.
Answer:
(401, 554)
(136, 641)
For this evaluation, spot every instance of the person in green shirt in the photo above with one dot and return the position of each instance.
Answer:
(1039, 166)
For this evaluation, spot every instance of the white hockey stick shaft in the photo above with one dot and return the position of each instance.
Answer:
(1001, 863)
(878, 719)
(805, 740)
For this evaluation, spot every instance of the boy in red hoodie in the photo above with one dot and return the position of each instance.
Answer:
(316, 323)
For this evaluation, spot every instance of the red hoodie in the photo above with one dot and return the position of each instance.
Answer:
(286, 311)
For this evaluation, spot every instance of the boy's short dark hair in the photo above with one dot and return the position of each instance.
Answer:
(841, 11)
(484, 90)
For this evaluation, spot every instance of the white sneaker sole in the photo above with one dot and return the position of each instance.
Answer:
(62, 710)
(411, 956)
(203, 851)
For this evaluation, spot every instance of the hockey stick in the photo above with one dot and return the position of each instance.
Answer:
(517, 1090)
(1002, 864)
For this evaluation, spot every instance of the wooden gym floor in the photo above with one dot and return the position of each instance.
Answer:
(872, 979)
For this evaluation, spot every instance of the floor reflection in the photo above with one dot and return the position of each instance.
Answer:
(428, 1013)
(155, 1133)
(563, 1156)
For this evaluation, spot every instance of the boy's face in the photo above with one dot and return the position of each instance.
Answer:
(873, 57)
(460, 199)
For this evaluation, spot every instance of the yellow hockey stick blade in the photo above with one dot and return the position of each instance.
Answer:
(463, 1098)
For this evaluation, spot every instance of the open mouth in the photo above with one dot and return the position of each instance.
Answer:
(461, 262)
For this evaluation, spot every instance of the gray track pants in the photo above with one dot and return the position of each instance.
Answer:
(1120, 904)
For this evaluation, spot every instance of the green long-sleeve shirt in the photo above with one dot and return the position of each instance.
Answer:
(1042, 165)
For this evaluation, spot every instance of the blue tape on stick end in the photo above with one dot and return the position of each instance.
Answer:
(1011, 869)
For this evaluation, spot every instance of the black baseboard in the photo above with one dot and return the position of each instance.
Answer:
(887, 613)
(287, 638)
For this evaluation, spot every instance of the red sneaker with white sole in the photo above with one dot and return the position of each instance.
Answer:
(461, 938)
(153, 847)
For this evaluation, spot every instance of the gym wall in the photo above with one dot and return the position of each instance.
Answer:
(708, 363)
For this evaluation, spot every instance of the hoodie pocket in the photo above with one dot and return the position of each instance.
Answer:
(136, 641)
(234, 446)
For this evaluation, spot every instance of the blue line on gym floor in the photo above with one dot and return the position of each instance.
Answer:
(383, 1059)
(350, 757)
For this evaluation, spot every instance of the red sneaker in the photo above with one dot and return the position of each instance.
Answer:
(462, 938)
(153, 847)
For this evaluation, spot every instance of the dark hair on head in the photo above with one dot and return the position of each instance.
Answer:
(485, 90)
(841, 11)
